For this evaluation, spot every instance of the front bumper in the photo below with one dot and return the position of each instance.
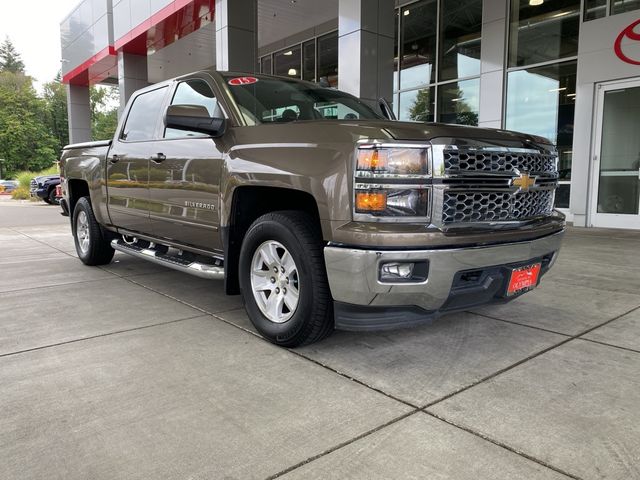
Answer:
(365, 303)
(39, 192)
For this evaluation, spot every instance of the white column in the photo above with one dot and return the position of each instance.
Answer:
(132, 75)
(236, 35)
(365, 48)
(492, 56)
(79, 113)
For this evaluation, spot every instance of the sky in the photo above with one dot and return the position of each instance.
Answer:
(34, 28)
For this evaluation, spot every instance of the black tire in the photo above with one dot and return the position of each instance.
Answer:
(52, 197)
(312, 320)
(97, 251)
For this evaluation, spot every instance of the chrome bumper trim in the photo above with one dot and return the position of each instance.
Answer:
(353, 273)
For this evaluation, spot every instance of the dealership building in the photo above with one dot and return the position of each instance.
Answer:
(568, 70)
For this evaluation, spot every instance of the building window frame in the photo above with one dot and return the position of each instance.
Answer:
(437, 84)
(300, 45)
(507, 70)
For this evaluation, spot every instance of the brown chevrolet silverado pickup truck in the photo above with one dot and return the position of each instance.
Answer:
(320, 211)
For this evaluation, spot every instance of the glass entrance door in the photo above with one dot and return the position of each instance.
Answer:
(615, 200)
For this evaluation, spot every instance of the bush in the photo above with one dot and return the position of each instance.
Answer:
(21, 193)
(24, 178)
(24, 182)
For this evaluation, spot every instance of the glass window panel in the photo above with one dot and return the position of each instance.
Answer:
(328, 58)
(265, 65)
(288, 62)
(459, 102)
(192, 92)
(461, 29)
(620, 6)
(543, 32)
(541, 101)
(594, 9)
(418, 44)
(619, 188)
(146, 106)
(309, 61)
(417, 105)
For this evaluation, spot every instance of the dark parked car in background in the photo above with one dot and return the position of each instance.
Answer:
(45, 188)
(8, 186)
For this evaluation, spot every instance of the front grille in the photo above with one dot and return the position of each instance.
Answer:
(466, 207)
(458, 160)
(33, 186)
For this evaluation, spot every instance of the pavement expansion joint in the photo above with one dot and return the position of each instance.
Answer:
(91, 337)
(343, 444)
(605, 344)
(526, 359)
(41, 242)
(512, 322)
(63, 284)
(502, 445)
(353, 379)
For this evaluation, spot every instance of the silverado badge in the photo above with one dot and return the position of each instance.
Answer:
(206, 206)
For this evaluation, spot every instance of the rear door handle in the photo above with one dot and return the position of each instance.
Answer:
(159, 158)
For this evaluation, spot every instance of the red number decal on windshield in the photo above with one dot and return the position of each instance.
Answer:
(243, 81)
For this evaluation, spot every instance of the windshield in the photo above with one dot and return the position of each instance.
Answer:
(273, 100)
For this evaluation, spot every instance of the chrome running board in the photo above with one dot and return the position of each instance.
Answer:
(203, 270)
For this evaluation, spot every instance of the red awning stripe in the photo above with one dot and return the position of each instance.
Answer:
(74, 75)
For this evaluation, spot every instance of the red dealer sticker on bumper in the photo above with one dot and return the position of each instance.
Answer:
(243, 81)
(523, 279)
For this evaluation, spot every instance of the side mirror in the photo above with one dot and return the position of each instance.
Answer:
(386, 109)
(194, 118)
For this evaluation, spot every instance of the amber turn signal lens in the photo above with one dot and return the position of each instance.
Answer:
(370, 202)
(372, 159)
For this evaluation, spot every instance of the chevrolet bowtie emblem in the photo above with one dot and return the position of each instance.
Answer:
(523, 182)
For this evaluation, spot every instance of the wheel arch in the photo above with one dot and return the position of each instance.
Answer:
(76, 189)
(251, 202)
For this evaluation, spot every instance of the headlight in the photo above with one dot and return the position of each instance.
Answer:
(392, 161)
(392, 180)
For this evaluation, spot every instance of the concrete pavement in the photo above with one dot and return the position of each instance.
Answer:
(137, 371)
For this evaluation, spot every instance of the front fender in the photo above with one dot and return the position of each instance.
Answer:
(320, 170)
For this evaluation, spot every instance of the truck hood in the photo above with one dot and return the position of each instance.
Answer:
(46, 178)
(416, 131)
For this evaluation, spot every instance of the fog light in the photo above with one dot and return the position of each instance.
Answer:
(396, 271)
(404, 272)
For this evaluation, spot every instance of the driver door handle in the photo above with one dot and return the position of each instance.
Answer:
(115, 159)
(158, 158)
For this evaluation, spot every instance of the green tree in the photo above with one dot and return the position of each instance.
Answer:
(55, 97)
(9, 58)
(25, 139)
(104, 112)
